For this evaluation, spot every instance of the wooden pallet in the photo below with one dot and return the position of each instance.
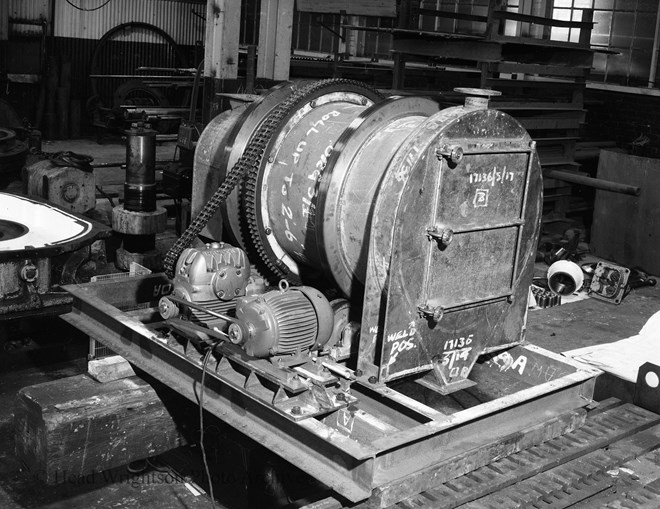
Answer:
(556, 474)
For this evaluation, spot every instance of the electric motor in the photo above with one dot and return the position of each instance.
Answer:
(289, 321)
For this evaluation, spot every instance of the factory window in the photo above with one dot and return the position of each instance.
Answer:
(624, 30)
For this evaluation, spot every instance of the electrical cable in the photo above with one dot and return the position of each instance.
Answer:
(106, 196)
(207, 356)
(88, 10)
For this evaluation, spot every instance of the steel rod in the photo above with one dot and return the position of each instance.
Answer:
(605, 185)
(201, 308)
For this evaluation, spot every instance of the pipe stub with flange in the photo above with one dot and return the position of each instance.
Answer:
(477, 98)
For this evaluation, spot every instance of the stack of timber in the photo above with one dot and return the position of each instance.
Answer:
(542, 80)
(542, 83)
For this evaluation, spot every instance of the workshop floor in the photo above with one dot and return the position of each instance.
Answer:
(45, 349)
(39, 350)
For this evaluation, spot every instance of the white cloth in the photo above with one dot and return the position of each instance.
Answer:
(624, 358)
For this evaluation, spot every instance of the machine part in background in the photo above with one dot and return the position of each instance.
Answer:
(639, 278)
(564, 277)
(346, 190)
(50, 246)
(68, 187)
(12, 156)
(588, 270)
(288, 321)
(647, 388)
(609, 282)
(567, 248)
(545, 298)
(219, 272)
(139, 218)
(346, 332)
(159, 95)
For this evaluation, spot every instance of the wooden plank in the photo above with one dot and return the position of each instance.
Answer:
(221, 52)
(466, 50)
(275, 29)
(549, 123)
(626, 430)
(545, 43)
(413, 32)
(560, 162)
(531, 105)
(550, 70)
(75, 426)
(552, 139)
(385, 8)
(531, 53)
(452, 15)
(533, 83)
(457, 466)
(587, 466)
(540, 20)
(625, 228)
(634, 441)
(4, 21)
(222, 35)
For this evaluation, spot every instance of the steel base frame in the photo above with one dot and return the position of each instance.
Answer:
(415, 437)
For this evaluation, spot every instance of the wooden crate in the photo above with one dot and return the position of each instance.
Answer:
(626, 229)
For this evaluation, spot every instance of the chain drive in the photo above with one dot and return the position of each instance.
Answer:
(248, 165)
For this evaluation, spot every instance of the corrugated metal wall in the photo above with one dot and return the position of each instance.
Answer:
(181, 20)
(28, 10)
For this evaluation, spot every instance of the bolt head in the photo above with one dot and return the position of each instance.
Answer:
(235, 334)
(296, 410)
(373, 379)
(456, 155)
(447, 236)
(29, 273)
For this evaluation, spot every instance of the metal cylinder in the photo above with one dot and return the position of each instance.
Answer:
(138, 219)
(315, 190)
(596, 183)
(293, 171)
(140, 185)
